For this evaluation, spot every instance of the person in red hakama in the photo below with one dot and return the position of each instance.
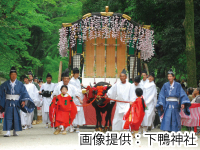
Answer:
(62, 111)
(134, 116)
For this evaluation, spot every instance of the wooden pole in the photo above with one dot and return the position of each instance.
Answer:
(60, 71)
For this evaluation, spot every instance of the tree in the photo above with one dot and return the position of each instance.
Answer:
(190, 42)
(166, 18)
(29, 34)
(17, 17)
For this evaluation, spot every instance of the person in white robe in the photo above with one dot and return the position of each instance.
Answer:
(65, 76)
(133, 87)
(150, 98)
(120, 91)
(72, 91)
(27, 118)
(46, 90)
(144, 78)
(80, 118)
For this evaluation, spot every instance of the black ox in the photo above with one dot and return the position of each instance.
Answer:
(101, 105)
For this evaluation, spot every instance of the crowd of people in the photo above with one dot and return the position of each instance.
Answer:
(23, 104)
(58, 104)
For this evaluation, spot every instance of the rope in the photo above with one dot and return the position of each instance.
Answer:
(108, 99)
(102, 106)
(87, 104)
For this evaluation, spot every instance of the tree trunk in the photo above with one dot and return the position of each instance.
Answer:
(190, 43)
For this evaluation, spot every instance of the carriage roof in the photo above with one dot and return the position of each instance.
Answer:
(133, 42)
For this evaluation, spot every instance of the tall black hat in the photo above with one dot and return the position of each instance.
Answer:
(63, 73)
(123, 71)
(75, 70)
(66, 73)
(13, 70)
(49, 75)
(170, 72)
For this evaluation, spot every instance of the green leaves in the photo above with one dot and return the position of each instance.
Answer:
(29, 34)
(52, 65)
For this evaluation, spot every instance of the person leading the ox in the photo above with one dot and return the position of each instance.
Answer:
(13, 95)
(80, 118)
(150, 98)
(171, 99)
(120, 91)
(72, 91)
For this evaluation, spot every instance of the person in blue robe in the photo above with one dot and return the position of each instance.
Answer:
(13, 97)
(171, 99)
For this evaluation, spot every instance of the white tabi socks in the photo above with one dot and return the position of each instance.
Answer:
(62, 127)
(7, 134)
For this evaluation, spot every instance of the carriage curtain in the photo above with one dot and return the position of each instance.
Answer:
(100, 60)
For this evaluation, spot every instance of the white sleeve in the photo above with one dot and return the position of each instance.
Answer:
(76, 91)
